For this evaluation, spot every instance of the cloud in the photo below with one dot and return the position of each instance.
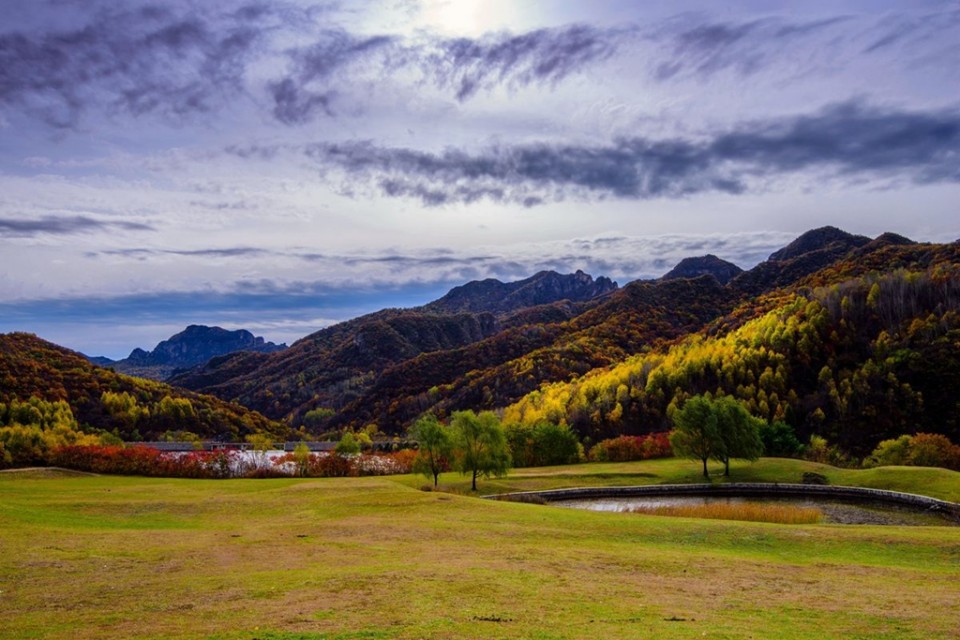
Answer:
(181, 61)
(175, 62)
(621, 257)
(316, 71)
(703, 48)
(147, 60)
(543, 56)
(69, 225)
(231, 252)
(850, 141)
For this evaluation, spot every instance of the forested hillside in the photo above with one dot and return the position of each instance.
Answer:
(502, 368)
(857, 362)
(98, 399)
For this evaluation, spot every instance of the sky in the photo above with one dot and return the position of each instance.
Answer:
(281, 166)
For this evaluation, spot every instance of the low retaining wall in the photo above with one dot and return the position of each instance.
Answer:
(741, 489)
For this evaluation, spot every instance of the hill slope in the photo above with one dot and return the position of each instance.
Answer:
(31, 367)
(861, 360)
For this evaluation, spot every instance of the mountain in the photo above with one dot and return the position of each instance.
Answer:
(334, 380)
(504, 367)
(812, 251)
(709, 264)
(499, 298)
(331, 366)
(101, 399)
(829, 239)
(194, 345)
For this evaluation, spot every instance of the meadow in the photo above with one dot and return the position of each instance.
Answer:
(85, 556)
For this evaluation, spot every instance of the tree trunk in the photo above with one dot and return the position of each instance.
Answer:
(474, 486)
(436, 478)
(705, 473)
(726, 467)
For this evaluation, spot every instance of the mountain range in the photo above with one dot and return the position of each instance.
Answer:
(494, 345)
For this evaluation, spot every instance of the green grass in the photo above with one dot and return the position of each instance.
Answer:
(114, 557)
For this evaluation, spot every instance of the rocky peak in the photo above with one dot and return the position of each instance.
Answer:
(498, 297)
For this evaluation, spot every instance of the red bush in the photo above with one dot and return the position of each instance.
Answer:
(627, 448)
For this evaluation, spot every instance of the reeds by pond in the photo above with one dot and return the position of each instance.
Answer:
(747, 511)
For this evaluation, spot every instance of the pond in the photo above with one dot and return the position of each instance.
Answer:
(835, 511)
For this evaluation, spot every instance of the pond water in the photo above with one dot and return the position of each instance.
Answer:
(834, 511)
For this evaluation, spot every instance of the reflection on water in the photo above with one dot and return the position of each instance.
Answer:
(834, 511)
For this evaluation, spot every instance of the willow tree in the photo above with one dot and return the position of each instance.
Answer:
(739, 432)
(435, 445)
(696, 434)
(480, 444)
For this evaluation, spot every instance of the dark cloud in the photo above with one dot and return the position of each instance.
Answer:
(68, 225)
(166, 60)
(542, 56)
(849, 140)
(231, 252)
(307, 91)
(909, 31)
(704, 48)
(149, 59)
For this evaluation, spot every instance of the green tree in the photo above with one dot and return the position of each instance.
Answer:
(739, 432)
(555, 444)
(348, 445)
(262, 443)
(779, 439)
(301, 457)
(435, 446)
(542, 444)
(480, 444)
(696, 434)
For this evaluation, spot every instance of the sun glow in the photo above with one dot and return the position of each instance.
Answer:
(469, 17)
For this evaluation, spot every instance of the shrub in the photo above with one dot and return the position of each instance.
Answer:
(890, 452)
(810, 477)
(934, 450)
(627, 448)
(920, 450)
(331, 465)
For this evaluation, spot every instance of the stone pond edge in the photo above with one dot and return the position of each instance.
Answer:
(740, 489)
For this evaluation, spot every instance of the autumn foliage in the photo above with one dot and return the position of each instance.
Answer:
(628, 448)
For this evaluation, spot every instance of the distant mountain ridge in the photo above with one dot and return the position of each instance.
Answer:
(193, 346)
(545, 287)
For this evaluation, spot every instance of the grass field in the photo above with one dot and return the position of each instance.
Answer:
(119, 557)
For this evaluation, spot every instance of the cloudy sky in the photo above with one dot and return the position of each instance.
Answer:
(279, 166)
